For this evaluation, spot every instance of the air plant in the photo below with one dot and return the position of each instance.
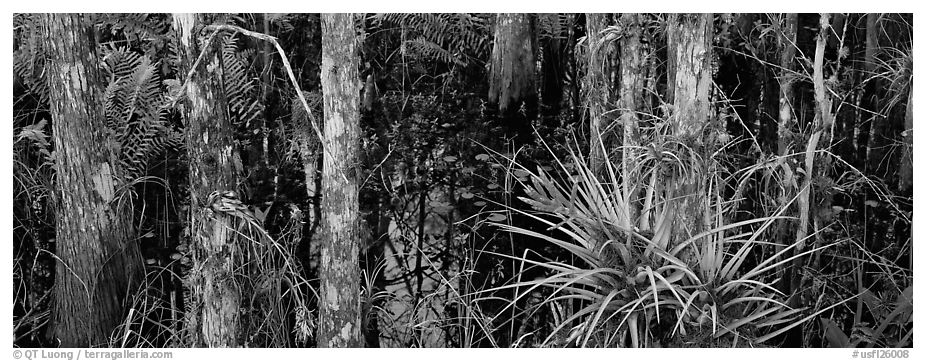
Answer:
(629, 282)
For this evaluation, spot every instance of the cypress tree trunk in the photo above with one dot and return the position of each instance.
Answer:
(214, 167)
(512, 67)
(689, 56)
(630, 99)
(598, 90)
(553, 67)
(787, 44)
(689, 41)
(339, 304)
(99, 260)
(868, 155)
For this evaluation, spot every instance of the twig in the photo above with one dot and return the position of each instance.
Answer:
(292, 79)
(189, 74)
(289, 71)
(286, 65)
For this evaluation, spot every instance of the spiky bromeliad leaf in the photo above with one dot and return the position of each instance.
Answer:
(651, 278)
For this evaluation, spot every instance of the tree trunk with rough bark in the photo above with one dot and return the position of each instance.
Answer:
(787, 46)
(689, 42)
(512, 68)
(906, 162)
(597, 86)
(689, 38)
(98, 257)
(553, 69)
(630, 92)
(215, 166)
(869, 153)
(339, 270)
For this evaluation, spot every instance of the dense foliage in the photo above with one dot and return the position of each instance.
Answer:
(474, 234)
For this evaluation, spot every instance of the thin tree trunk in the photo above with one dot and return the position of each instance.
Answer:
(419, 249)
(630, 99)
(787, 44)
(214, 175)
(906, 163)
(339, 304)
(265, 90)
(846, 119)
(99, 261)
(379, 219)
(309, 150)
(512, 68)
(597, 89)
(572, 61)
(821, 125)
(868, 157)
(553, 67)
(689, 39)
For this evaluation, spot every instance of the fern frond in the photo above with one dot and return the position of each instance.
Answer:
(29, 56)
(450, 38)
(135, 105)
(136, 27)
(428, 49)
(240, 85)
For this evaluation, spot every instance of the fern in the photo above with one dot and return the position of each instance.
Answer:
(136, 109)
(29, 56)
(431, 50)
(554, 26)
(450, 38)
(240, 89)
(135, 27)
(283, 21)
(134, 103)
(36, 134)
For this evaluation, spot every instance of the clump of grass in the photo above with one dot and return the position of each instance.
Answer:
(33, 230)
(275, 309)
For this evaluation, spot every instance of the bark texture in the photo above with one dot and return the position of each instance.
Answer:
(597, 85)
(553, 68)
(339, 304)
(876, 141)
(787, 43)
(512, 68)
(98, 258)
(214, 167)
(630, 90)
(906, 163)
(689, 38)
